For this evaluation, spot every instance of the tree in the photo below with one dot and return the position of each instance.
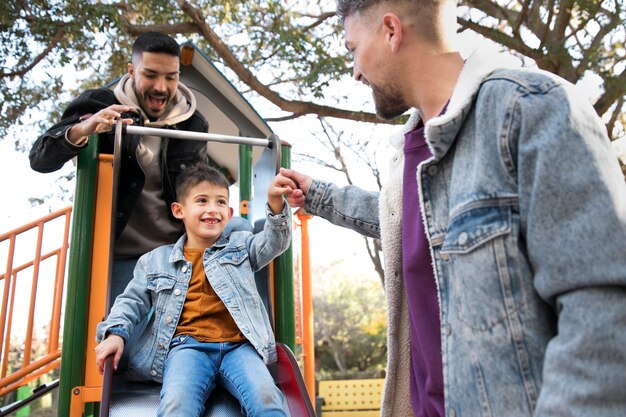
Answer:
(350, 326)
(338, 150)
(286, 55)
(288, 52)
(569, 38)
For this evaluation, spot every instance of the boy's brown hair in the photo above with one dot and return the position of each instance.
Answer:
(194, 175)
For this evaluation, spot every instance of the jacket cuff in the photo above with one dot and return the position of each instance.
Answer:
(280, 220)
(118, 331)
(80, 144)
(314, 196)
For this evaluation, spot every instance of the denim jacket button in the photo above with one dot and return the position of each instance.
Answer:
(433, 170)
(447, 330)
(177, 291)
(185, 268)
(153, 372)
(160, 345)
(452, 413)
(168, 319)
(463, 238)
(444, 256)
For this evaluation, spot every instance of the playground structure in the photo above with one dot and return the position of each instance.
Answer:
(233, 123)
(71, 292)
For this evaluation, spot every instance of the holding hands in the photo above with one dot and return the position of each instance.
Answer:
(300, 184)
(289, 184)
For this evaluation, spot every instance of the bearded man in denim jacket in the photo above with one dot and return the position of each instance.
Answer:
(503, 227)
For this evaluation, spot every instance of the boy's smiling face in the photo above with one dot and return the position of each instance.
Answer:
(205, 212)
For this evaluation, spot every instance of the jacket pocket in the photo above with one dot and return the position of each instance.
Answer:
(474, 227)
(480, 252)
(161, 287)
(234, 262)
(233, 255)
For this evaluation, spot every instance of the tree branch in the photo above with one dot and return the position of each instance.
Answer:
(614, 116)
(291, 106)
(56, 39)
(614, 89)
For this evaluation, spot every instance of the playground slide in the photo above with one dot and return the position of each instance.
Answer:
(132, 399)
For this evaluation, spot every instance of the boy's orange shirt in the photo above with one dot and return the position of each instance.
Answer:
(204, 315)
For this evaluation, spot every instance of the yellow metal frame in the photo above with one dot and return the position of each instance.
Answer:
(354, 397)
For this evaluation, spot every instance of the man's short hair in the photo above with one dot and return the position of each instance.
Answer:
(194, 175)
(425, 15)
(347, 7)
(154, 42)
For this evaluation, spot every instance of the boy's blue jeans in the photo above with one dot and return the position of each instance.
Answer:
(193, 369)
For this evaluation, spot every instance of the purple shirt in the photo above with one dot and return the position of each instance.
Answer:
(421, 290)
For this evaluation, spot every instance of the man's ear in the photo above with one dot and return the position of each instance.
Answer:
(131, 70)
(177, 210)
(392, 29)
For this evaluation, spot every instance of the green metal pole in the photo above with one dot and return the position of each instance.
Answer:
(75, 318)
(245, 179)
(283, 282)
(22, 393)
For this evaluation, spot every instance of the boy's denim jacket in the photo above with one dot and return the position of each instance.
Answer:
(159, 287)
(524, 206)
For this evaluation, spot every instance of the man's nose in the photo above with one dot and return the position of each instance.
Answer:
(357, 74)
(160, 84)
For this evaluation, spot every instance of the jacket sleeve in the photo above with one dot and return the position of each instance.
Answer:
(349, 207)
(130, 307)
(52, 150)
(273, 240)
(573, 211)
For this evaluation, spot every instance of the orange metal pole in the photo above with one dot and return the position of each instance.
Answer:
(27, 369)
(30, 371)
(9, 321)
(308, 335)
(5, 301)
(33, 297)
(99, 267)
(31, 377)
(55, 320)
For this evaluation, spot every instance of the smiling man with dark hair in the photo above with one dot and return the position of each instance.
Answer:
(150, 94)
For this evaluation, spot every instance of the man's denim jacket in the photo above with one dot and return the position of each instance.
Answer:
(524, 206)
(159, 287)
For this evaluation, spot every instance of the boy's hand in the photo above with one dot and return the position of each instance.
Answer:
(281, 186)
(112, 345)
(301, 182)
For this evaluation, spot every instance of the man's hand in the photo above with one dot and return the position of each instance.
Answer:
(102, 121)
(281, 186)
(112, 345)
(301, 184)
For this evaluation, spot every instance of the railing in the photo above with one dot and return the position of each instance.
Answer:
(48, 255)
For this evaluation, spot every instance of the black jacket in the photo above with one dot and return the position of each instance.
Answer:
(51, 151)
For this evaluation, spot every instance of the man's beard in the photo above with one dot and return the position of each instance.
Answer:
(144, 102)
(389, 102)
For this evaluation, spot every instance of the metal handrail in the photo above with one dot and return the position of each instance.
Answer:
(209, 137)
(272, 142)
(31, 369)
